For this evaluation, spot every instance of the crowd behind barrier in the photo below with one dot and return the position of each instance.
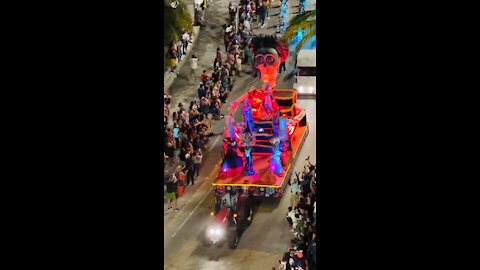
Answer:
(301, 215)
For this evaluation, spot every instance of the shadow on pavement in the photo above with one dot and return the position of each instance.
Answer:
(290, 75)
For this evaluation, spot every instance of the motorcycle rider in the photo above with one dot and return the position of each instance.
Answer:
(230, 199)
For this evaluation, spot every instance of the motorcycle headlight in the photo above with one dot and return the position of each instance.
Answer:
(214, 231)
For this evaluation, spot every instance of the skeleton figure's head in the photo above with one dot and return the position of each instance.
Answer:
(268, 54)
(267, 61)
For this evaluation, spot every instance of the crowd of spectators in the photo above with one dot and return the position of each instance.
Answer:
(188, 129)
(177, 49)
(301, 216)
(238, 43)
(189, 135)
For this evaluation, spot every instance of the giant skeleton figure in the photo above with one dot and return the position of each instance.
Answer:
(269, 52)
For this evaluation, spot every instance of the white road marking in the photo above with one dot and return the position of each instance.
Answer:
(213, 144)
(191, 213)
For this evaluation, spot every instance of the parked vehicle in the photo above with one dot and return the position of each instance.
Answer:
(306, 77)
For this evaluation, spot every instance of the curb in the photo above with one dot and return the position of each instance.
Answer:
(169, 77)
(310, 96)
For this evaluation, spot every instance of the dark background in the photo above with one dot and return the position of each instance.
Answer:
(84, 135)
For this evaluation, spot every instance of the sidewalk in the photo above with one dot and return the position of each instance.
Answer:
(169, 76)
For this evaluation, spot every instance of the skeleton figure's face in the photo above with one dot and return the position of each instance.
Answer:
(267, 61)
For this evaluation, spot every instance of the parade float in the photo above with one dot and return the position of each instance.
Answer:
(259, 150)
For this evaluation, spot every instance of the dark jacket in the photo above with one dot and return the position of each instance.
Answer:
(171, 187)
(262, 11)
(201, 92)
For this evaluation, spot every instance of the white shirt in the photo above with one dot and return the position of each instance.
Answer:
(230, 201)
(193, 63)
(295, 188)
(291, 214)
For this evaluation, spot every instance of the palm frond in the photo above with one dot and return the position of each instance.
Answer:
(307, 16)
(290, 32)
(174, 21)
(305, 39)
(305, 22)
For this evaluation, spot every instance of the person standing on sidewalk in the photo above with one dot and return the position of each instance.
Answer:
(172, 57)
(231, 59)
(185, 38)
(246, 22)
(197, 161)
(181, 176)
(181, 156)
(194, 65)
(201, 91)
(295, 190)
(219, 56)
(216, 64)
(171, 197)
(226, 41)
(262, 13)
(176, 135)
(267, 4)
(204, 76)
(169, 151)
(238, 64)
(179, 50)
(253, 10)
(190, 170)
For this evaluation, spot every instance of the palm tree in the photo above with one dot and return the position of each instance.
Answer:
(175, 19)
(307, 23)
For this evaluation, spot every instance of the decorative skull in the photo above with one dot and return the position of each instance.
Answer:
(267, 61)
(269, 52)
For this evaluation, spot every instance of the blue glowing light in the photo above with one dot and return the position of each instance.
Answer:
(225, 167)
(300, 34)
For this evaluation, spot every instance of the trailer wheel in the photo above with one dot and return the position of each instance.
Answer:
(233, 239)
(217, 204)
(246, 212)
